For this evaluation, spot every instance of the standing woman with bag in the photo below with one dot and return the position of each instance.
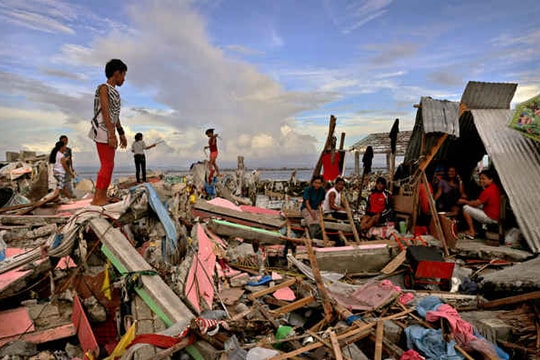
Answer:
(106, 121)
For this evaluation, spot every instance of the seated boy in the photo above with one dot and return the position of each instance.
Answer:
(378, 208)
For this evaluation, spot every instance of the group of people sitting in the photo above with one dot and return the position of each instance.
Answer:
(448, 192)
(317, 200)
(452, 199)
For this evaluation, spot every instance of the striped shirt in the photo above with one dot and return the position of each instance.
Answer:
(99, 132)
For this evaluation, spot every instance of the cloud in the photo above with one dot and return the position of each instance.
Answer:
(355, 14)
(42, 15)
(64, 74)
(445, 78)
(392, 53)
(243, 50)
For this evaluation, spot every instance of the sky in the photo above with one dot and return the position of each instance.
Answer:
(266, 74)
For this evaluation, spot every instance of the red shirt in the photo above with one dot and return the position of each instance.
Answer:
(378, 202)
(330, 171)
(491, 199)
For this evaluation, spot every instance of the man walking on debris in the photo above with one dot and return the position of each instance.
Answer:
(68, 155)
(378, 208)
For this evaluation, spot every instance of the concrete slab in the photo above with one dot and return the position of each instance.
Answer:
(353, 259)
(519, 278)
(479, 249)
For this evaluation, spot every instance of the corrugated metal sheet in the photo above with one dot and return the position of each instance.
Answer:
(517, 162)
(482, 95)
(381, 142)
(440, 116)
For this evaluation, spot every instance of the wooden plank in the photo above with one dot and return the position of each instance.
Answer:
(350, 217)
(272, 289)
(395, 263)
(335, 346)
(34, 220)
(84, 329)
(435, 217)
(323, 230)
(155, 292)
(43, 336)
(327, 307)
(510, 300)
(225, 228)
(379, 340)
(331, 129)
(293, 306)
(270, 221)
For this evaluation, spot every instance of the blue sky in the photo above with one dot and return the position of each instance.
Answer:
(267, 74)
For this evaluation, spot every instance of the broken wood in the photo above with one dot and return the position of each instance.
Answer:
(328, 142)
(272, 289)
(328, 312)
(510, 300)
(293, 306)
(350, 218)
(395, 263)
(321, 223)
(335, 346)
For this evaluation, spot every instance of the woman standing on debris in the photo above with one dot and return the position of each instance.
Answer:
(60, 169)
(137, 149)
(106, 120)
(313, 199)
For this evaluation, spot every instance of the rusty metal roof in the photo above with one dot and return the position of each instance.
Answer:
(380, 142)
(483, 95)
(517, 161)
(440, 116)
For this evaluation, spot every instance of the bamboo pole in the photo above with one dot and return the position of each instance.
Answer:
(350, 217)
(323, 230)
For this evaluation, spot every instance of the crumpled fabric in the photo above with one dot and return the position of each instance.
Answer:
(406, 298)
(426, 304)
(411, 355)
(430, 343)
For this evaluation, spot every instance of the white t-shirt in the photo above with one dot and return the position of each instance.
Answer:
(138, 147)
(326, 203)
(58, 167)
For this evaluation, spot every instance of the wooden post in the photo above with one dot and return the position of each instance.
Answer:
(350, 217)
(323, 230)
(414, 216)
(342, 141)
(240, 176)
(331, 128)
(327, 306)
(433, 210)
(357, 163)
(335, 346)
(379, 340)
(392, 170)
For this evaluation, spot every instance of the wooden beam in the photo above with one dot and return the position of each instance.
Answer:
(395, 263)
(272, 289)
(510, 300)
(379, 340)
(435, 217)
(331, 129)
(293, 306)
(321, 223)
(342, 141)
(350, 217)
(335, 346)
(327, 306)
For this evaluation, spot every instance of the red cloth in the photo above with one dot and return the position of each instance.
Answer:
(424, 200)
(106, 158)
(377, 202)
(461, 329)
(411, 355)
(331, 170)
(161, 341)
(491, 199)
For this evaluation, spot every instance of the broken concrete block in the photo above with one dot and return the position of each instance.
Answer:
(20, 348)
(494, 329)
(96, 311)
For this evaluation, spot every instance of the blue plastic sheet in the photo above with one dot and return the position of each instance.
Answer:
(169, 246)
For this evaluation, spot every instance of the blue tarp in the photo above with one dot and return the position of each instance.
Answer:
(169, 246)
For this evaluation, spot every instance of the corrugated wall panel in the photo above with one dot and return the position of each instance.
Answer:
(482, 95)
(517, 161)
(440, 116)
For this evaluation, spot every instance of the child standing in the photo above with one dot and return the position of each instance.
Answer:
(137, 149)
(212, 145)
(60, 169)
(106, 121)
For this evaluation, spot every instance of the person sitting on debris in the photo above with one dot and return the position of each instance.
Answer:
(449, 191)
(60, 169)
(332, 201)
(378, 208)
(313, 199)
(212, 145)
(104, 124)
(485, 209)
(137, 148)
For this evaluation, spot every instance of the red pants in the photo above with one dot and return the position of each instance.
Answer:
(106, 158)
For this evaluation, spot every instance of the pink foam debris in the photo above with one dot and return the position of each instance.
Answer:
(285, 294)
